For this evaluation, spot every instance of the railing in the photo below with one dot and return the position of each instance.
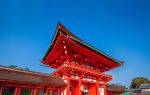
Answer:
(81, 68)
(86, 69)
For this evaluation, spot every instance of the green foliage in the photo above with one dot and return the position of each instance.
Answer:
(136, 82)
(27, 69)
(16, 67)
(116, 85)
(13, 66)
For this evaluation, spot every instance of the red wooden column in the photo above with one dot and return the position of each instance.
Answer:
(1, 90)
(92, 89)
(97, 88)
(34, 91)
(62, 91)
(68, 86)
(56, 92)
(16, 90)
(50, 91)
(59, 91)
(79, 85)
(46, 92)
(104, 85)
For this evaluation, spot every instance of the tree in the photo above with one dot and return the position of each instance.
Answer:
(136, 82)
(13, 66)
(27, 69)
(16, 67)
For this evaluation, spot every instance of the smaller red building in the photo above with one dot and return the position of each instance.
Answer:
(115, 90)
(20, 82)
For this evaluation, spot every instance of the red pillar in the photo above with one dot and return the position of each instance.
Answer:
(34, 91)
(56, 92)
(50, 91)
(59, 91)
(63, 90)
(1, 90)
(79, 85)
(46, 92)
(68, 86)
(92, 89)
(16, 90)
(104, 85)
(97, 88)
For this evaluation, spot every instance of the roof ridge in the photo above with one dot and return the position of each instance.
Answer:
(95, 49)
(23, 71)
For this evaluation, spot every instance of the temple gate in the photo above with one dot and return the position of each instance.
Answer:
(80, 65)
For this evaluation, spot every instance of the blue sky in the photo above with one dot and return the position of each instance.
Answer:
(120, 28)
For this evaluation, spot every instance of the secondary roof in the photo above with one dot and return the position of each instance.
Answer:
(9, 74)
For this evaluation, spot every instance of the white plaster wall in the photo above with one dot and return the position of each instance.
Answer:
(62, 92)
(85, 90)
(72, 76)
(89, 79)
(101, 82)
(76, 77)
(64, 89)
(101, 90)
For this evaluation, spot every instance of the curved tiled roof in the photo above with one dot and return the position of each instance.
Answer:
(61, 28)
(114, 88)
(144, 86)
(29, 76)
